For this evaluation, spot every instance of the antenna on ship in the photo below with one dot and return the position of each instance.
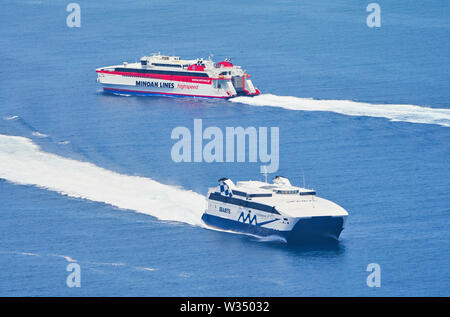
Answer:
(265, 173)
(303, 176)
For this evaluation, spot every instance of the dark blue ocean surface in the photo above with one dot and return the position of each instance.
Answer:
(393, 177)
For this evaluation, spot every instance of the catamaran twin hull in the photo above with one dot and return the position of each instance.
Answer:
(160, 75)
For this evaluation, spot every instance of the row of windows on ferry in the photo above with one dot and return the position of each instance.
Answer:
(144, 63)
(160, 72)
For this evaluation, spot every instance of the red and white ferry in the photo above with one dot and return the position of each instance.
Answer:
(163, 75)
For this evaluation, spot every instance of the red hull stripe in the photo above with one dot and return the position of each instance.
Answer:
(189, 79)
(161, 93)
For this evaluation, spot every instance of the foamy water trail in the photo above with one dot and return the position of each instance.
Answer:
(39, 135)
(91, 263)
(22, 162)
(405, 113)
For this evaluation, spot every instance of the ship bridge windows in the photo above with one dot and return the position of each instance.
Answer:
(307, 193)
(250, 195)
(286, 192)
(167, 65)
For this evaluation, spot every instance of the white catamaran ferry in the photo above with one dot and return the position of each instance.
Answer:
(162, 75)
(278, 209)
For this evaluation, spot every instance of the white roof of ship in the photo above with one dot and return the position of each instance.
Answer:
(167, 62)
(287, 199)
(175, 60)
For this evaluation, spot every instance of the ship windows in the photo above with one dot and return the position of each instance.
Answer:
(160, 72)
(286, 192)
(167, 65)
(307, 193)
(243, 203)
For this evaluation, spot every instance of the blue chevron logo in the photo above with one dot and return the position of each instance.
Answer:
(244, 219)
(251, 220)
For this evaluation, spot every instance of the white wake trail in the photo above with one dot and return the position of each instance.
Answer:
(22, 162)
(405, 113)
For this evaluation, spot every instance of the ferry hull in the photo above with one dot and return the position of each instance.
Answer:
(306, 230)
(133, 91)
(197, 91)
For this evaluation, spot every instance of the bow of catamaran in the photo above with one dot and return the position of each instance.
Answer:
(273, 209)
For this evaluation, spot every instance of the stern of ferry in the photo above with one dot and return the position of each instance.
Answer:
(235, 80)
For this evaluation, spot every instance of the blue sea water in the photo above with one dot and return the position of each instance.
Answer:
(363, 113)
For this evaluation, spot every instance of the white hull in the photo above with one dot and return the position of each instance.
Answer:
(140, 86)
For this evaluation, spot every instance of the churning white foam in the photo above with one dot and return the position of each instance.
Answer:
(23, 162)
(65, 257)
(406, 113)
(39, 135)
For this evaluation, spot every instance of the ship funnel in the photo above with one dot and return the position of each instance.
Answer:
(228, 182)
(226, 186)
